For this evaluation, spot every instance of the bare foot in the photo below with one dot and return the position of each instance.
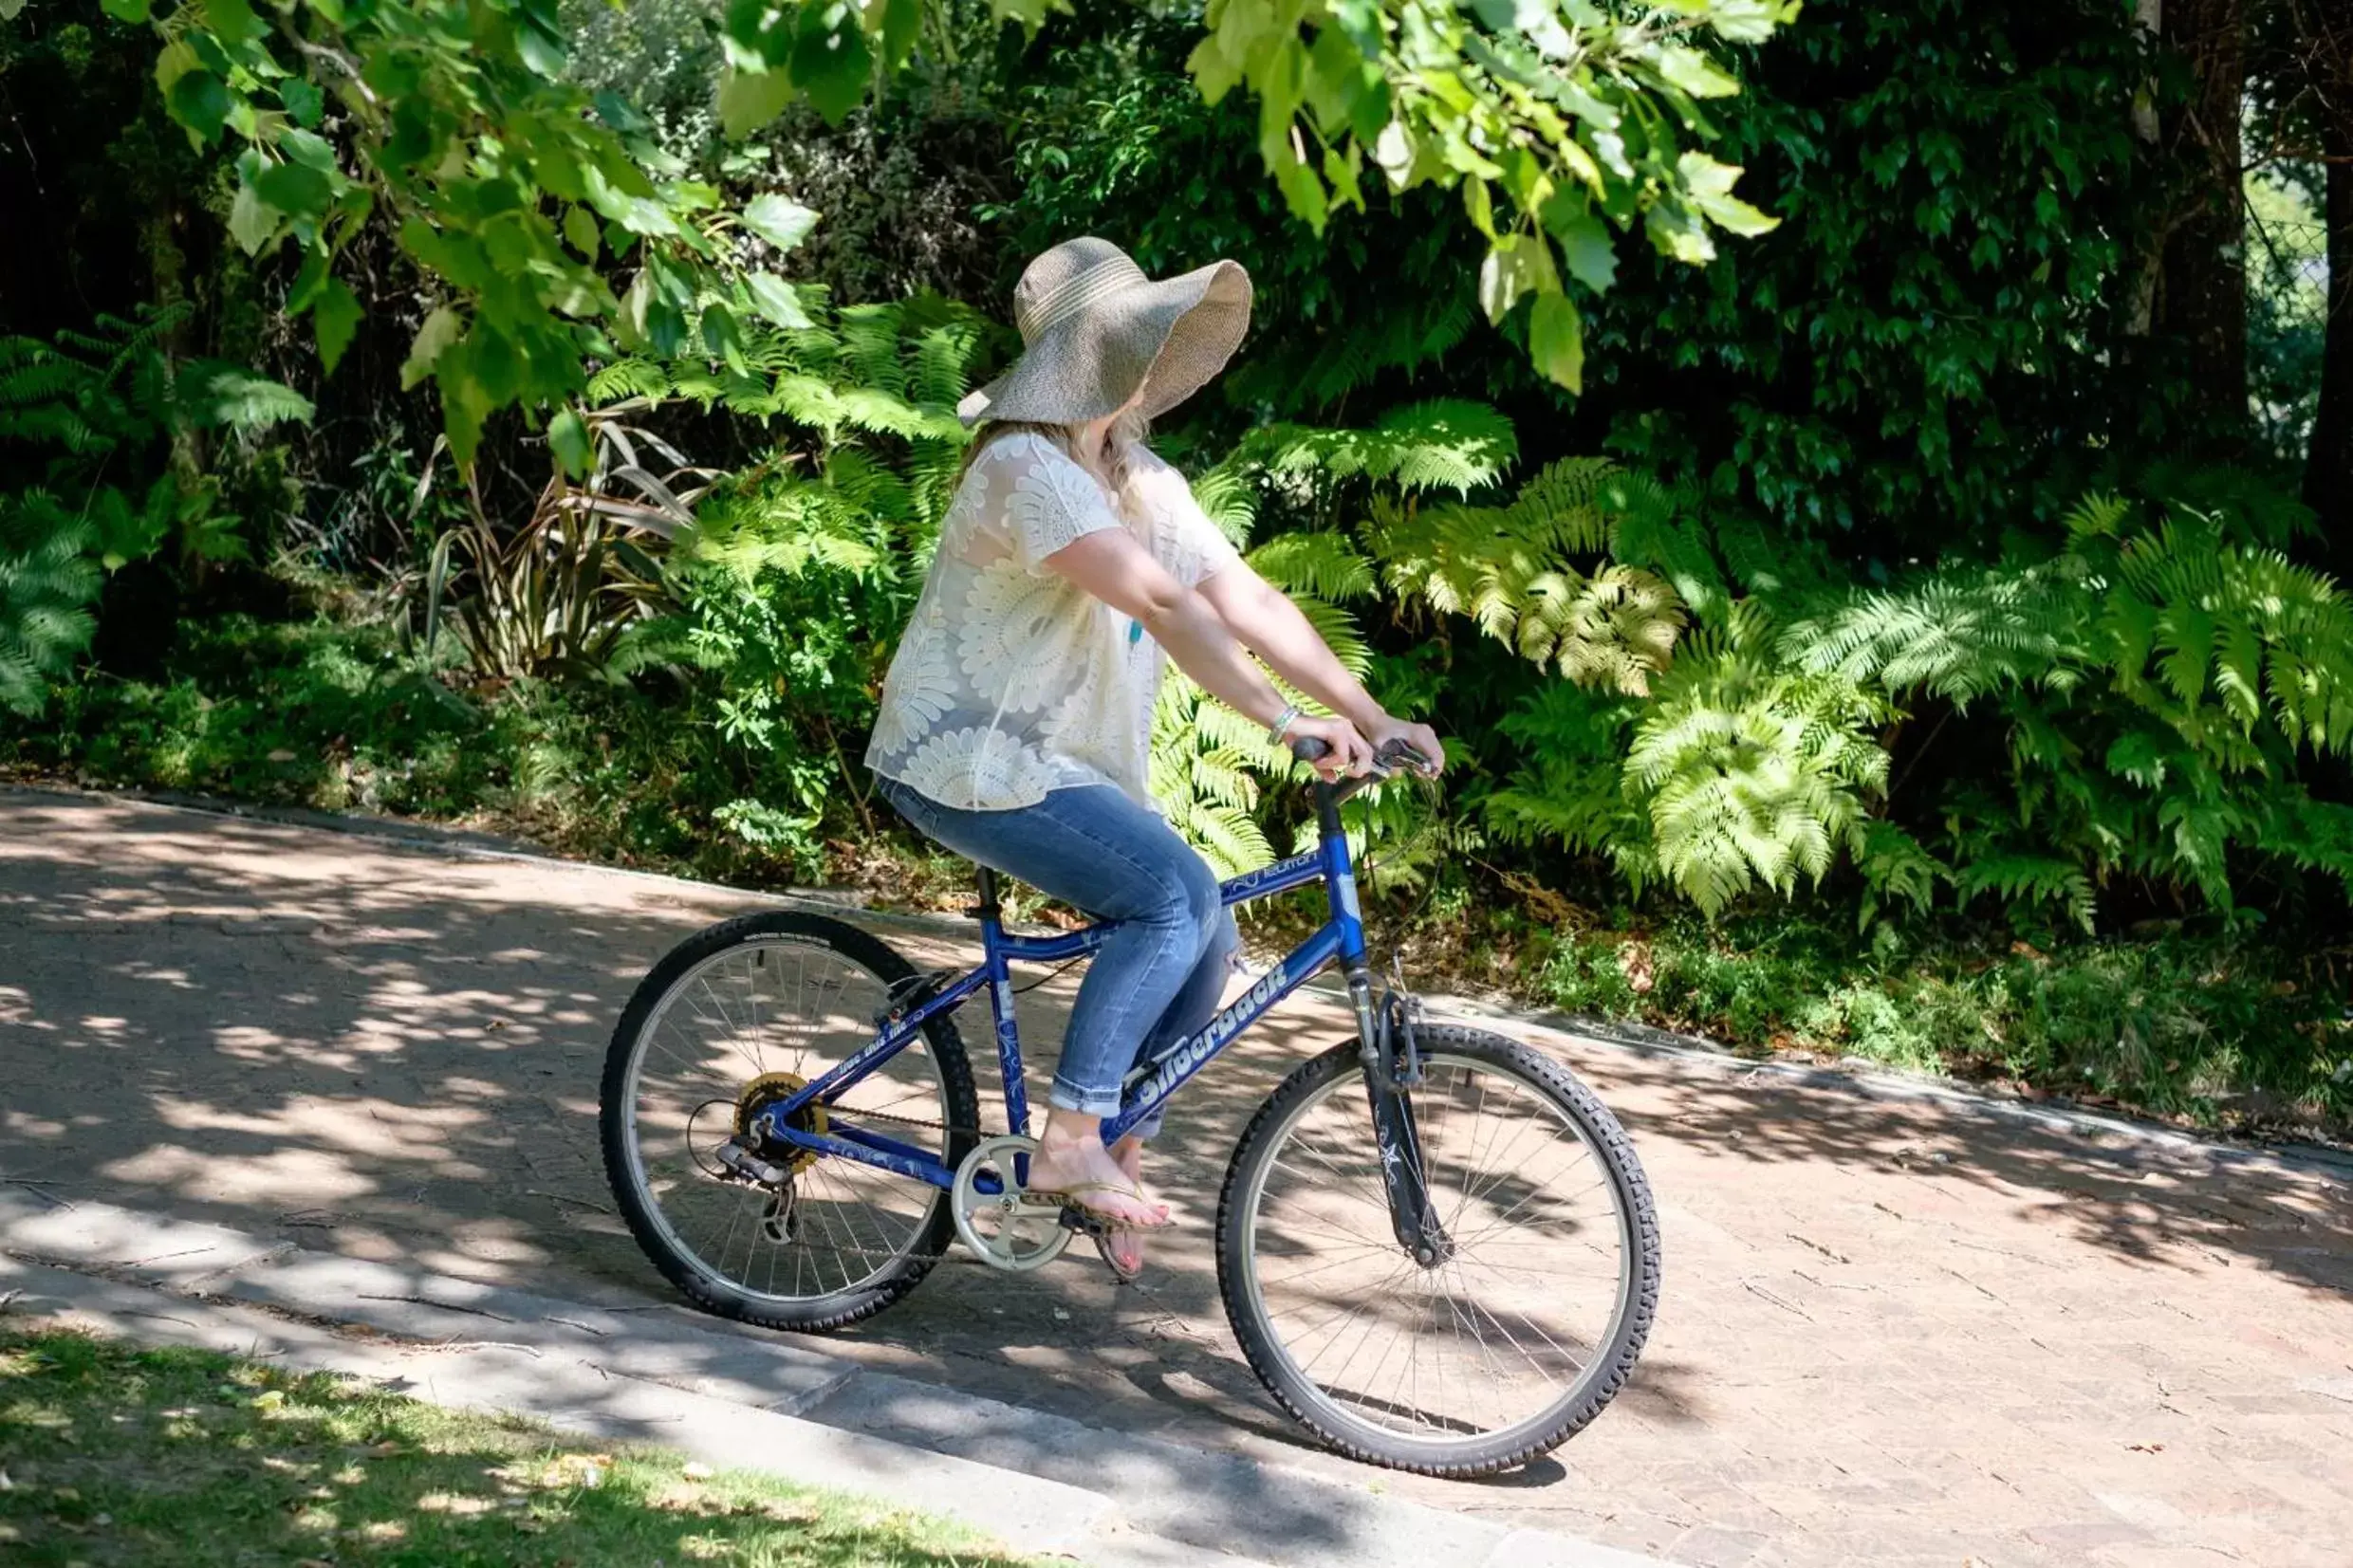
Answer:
(1127, 1247)
(1073, 1161)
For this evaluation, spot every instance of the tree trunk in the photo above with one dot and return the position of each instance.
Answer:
(2328, 469)
(2202, 291)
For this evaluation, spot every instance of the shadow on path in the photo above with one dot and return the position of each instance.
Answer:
(394, 1054)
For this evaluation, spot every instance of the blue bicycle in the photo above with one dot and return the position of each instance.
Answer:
(1435, 1246)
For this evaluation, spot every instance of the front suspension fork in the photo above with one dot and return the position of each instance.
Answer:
(1389, 1053)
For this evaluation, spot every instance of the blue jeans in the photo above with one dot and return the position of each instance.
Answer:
(1158, 978)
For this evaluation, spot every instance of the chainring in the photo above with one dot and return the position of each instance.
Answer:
(1004, 1228)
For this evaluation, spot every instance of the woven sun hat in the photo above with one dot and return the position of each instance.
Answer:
(1094, 328)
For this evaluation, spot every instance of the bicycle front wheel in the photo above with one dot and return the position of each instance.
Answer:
(1501, 1348)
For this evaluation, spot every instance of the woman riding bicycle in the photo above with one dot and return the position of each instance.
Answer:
(1016, 718)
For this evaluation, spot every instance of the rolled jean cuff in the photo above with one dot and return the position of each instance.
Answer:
(1065, 1096)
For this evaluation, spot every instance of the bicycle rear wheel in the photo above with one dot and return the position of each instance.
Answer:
(1505, 1346)
(732, 1021)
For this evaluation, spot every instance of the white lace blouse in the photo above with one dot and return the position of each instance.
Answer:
(1011, 681)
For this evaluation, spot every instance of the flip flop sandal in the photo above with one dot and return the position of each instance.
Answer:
(1119, 1271)
(1069, 1198)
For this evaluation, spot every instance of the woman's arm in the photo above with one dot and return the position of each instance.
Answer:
(1112, 567)
(1266, 621)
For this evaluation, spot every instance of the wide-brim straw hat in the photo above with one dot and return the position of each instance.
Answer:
(1094, 328)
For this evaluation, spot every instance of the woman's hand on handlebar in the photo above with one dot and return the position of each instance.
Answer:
(1346, 754)
(1423, 741)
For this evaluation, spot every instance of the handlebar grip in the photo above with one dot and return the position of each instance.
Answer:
(1308, 749)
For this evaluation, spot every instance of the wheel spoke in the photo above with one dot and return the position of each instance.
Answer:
(734, 1034)
(1499, 1334)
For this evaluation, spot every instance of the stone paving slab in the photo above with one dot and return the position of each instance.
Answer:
(1893, 1329)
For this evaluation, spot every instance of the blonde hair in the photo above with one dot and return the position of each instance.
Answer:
(1128, 430)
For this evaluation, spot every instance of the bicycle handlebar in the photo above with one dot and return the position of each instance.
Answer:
(1394, 756)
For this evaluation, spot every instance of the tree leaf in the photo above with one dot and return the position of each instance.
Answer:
(336, 319)
(252, 223)
(540, 50)
(901, 26)
(1516, 265)
(832, 62)
(782, 222)
(200, 101)
(310, 149)
(303, 102)
(775, 299)
(748, 100)
(1695, 73)
(1304, 192)
(1590, 251)
(1677, 231)
(1556, 340)
(231, 19)
(580, 228)
(567, 437)
(443, 327)
(1711, 186)
(294, 189)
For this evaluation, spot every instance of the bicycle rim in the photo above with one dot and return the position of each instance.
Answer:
(743, 1026)
(1499, 1345)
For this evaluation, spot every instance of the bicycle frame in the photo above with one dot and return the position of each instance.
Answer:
(1340, 938)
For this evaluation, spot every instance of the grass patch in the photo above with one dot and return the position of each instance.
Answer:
(116, 1455)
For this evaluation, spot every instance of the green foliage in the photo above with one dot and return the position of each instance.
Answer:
(562, 595)
(1115, 140)
(2165, 685)
(511, 186)
(1931, 344)
(2287, 305)
(1509, 568)
(48, 580)
(1722, 721)
(1738, 772)
(1207, 764)
(2220, 1030)
(86, 422)
(1447, 445)
(1575, 115)
(800, 572)
(454, 122)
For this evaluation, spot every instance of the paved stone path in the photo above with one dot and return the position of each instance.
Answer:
(1894, 1331)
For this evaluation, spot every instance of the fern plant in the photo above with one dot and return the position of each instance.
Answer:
(1393, 540)
(100, 438)
(2163, 682)
(799, 572)
(1511, 569)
